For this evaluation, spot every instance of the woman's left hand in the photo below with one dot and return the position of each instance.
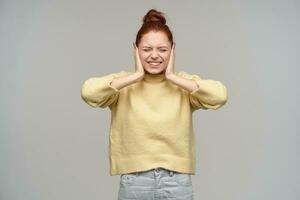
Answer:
(170, 68)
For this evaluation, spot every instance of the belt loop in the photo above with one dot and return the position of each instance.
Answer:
(171, 173)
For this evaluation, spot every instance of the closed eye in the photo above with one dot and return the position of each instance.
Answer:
(162, 50)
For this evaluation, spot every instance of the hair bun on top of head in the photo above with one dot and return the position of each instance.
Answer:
(154, 16)
(154, 21)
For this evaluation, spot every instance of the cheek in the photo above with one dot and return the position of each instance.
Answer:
(143, 56)
(167, 58)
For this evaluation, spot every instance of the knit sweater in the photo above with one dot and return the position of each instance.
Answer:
(151, 120)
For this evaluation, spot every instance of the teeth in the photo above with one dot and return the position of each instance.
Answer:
(154, 63)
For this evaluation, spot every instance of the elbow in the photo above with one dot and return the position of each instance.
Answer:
(84, 92)
(217, 104)
(86, 95)
(213, 100)
(223, 99)
(89, 101)
(220, 103)
(222, 96)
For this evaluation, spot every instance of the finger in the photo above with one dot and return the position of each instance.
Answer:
(137, 55)
(172, 52)
(174, 48)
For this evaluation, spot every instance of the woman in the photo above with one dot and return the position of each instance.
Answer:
(151, 141)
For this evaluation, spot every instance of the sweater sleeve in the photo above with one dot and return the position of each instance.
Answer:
(98, 91)
(210, 94)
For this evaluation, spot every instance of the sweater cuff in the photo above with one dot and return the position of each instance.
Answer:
(198, 82)
(109, 83)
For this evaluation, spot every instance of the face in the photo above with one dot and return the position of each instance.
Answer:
(154, 51)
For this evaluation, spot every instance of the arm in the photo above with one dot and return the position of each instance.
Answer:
(104, 91)
(203, 93)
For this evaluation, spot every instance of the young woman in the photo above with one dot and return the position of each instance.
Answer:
(151, 139)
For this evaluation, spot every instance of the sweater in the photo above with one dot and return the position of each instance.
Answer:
(151, 120)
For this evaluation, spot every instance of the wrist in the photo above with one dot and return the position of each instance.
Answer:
(138, 75)
(170, 76)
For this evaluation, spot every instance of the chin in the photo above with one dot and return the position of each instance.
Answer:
(154, 71)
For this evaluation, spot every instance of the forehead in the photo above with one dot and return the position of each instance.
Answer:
(155, 39)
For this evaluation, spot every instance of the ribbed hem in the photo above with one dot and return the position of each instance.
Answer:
(120, 166)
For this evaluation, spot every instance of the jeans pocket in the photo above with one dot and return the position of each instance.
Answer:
(127, 179)
(183, 179)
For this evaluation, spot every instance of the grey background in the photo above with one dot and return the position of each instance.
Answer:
(53, 146)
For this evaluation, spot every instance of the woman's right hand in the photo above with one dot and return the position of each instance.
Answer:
(139, 69)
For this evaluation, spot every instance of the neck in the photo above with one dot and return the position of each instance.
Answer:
(154, 78)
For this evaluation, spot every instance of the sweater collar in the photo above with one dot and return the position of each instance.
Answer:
(154, 78)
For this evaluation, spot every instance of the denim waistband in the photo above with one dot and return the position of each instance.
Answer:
(152, 173)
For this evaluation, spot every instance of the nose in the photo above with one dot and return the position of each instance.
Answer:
(154, 55)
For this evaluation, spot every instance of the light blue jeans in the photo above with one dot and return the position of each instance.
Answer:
(156, 184)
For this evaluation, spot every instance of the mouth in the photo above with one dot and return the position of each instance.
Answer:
(152, 63)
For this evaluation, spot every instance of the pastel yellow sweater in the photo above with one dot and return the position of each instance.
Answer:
(151, 120)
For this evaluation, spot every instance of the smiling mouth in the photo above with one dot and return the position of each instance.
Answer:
(154, 63)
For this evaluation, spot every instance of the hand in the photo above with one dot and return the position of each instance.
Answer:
(170, 68)
(139, 69)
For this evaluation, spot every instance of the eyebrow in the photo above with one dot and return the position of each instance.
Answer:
(158, 47)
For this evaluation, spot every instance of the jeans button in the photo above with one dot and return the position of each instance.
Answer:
(156, 171)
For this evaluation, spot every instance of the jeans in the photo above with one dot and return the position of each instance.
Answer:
(156, 184)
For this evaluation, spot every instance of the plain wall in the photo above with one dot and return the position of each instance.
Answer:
(53, 146)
